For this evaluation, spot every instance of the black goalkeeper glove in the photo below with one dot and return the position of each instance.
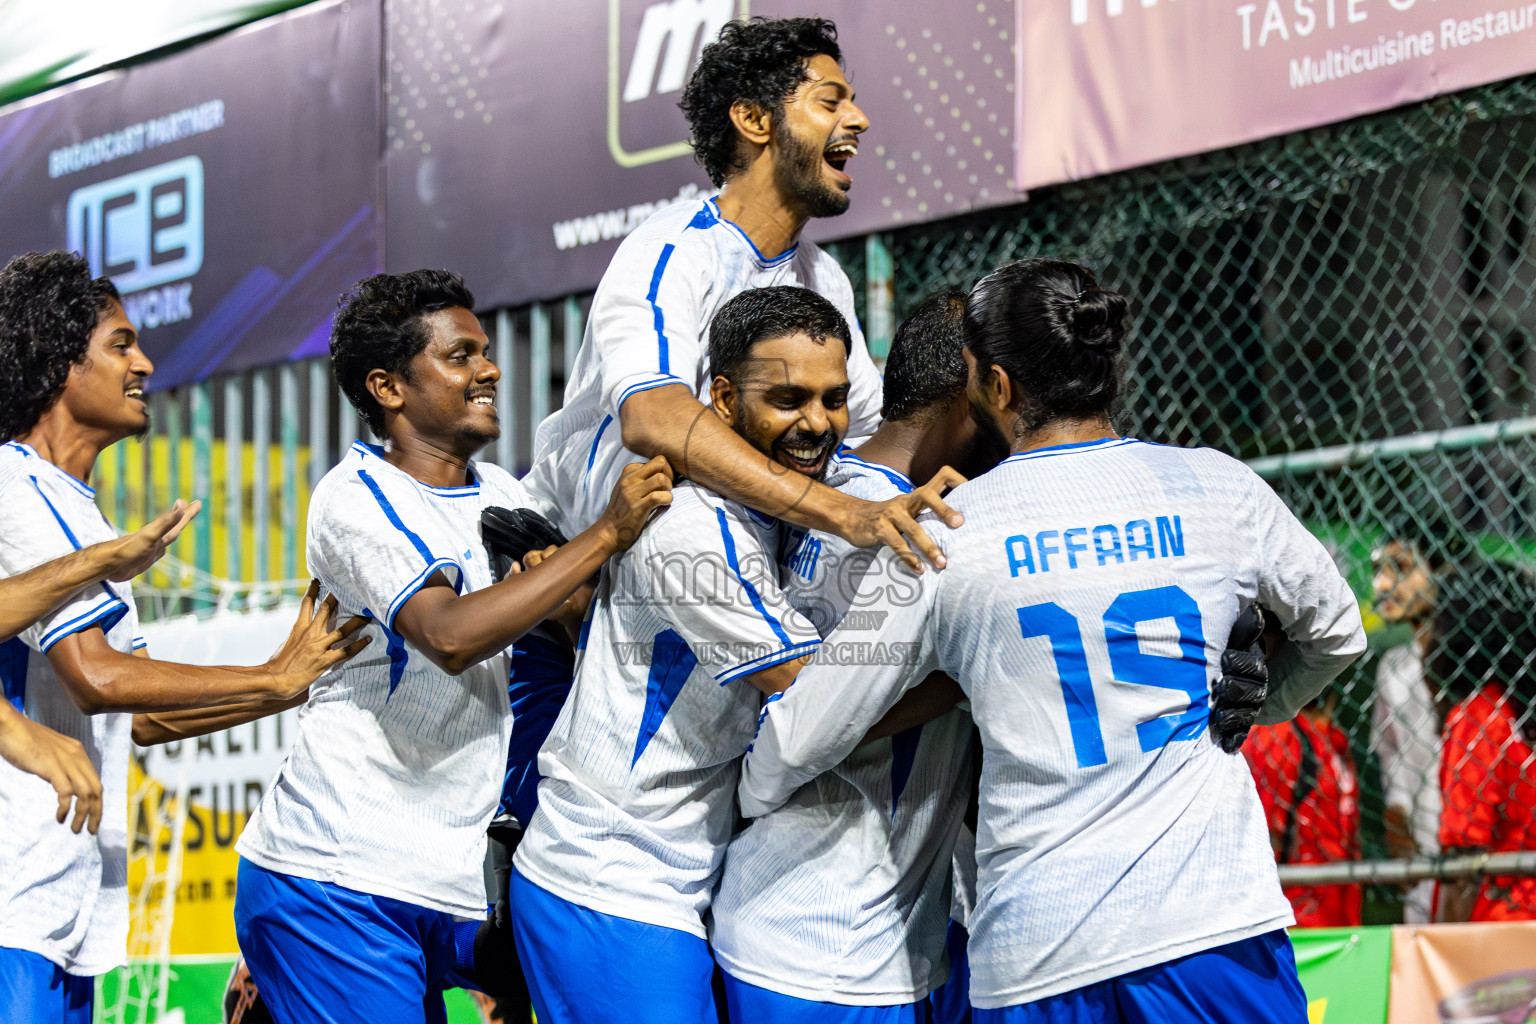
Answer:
(509, 534)
(1239, 693)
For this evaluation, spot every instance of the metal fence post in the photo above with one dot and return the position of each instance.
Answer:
(261, 493)
(538, 366)
(506, 445)
(319, 421)
(880, 297)
(202, 483)
(575, 326)
(288, 424)
(234, 477)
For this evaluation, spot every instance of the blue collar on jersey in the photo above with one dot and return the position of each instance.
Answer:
(904, 484)
(1067, 449)
(31, 453)
(365, 450)
(785, 256)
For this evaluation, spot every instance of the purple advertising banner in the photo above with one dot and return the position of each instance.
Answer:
(524, 140)
(231, 192)
(1110, 84)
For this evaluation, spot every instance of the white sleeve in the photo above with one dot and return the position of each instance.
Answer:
(370, 539)
(825, 713)
(721, 594)
(32, 532)
(1300, 584)
(645, 322)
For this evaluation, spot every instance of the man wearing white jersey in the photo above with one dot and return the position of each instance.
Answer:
(31, 595)
(688, 629)
(1125, 872)
(72, 386)
(834, 907)
(774, 124)
(362, 864)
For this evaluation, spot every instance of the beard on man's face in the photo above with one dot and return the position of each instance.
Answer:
(799, 170)
(772, 447)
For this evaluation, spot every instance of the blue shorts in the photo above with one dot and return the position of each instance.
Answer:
(539, 682)
(35, 990)
(761, 1006)
(1241, 982)
(950, 1003)
(586, 967)
(321, 952)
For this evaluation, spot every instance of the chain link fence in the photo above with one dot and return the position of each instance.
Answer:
(1351, 309)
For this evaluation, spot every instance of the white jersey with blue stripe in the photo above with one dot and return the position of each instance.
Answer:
(1087, 600)
(640, 769)
(842, 894)
(62, 895)
(398, 766)
(649, 327)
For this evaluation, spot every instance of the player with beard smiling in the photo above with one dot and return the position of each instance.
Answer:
(687, 631)
(774, 124)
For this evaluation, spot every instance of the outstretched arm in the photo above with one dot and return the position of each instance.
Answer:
(58, 760)
(98, 678)
(817, 722)
(32, 595)
(670, 422)
(169, 726)
(456, 631)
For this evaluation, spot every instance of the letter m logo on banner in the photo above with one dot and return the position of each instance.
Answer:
(662, 41)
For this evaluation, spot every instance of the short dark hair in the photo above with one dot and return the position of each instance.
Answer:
(49, 305)
(924, 368)
(760, 61)
(763, 314)
(378, 327)
(1057, 333)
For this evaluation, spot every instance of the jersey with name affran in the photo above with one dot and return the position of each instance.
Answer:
(640, 769)
(649, 327)
(1086, 603)
(398, 766)
(842, 894)
(62, 895)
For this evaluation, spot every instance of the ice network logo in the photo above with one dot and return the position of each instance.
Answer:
(144, 230)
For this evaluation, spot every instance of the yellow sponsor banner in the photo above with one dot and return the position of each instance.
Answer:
(135, 477)
(225, 775)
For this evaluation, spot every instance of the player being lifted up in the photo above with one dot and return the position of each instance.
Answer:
(365, 856)
(687, 630)
(1090, 589)
(834, 907)
(73, 385)
(774, 123)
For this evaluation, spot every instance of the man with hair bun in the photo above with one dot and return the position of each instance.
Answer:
(774, 124)
(1090, 592)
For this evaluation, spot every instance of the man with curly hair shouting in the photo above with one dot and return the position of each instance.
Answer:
(774, 124)
(71, 385)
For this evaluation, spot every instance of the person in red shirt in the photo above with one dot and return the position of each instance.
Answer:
(1485, 654)
(1307, 784)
